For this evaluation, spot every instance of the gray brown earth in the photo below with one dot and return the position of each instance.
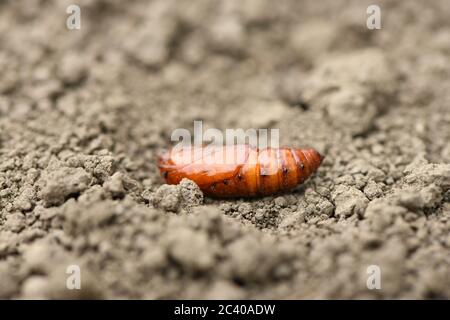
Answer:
(83, 114)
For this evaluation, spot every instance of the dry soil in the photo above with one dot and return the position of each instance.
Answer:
(83, 114)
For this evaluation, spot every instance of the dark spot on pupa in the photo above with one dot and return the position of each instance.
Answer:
(285, 170)
(165, 174)
(225, 182)
(239, 176)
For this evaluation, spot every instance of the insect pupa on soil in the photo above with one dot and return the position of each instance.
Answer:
(251, 171)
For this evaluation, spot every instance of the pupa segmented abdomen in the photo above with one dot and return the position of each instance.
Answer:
(240, 170)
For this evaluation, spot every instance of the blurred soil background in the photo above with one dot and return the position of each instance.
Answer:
(83, 114)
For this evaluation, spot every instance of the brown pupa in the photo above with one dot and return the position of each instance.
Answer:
(251, 171)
